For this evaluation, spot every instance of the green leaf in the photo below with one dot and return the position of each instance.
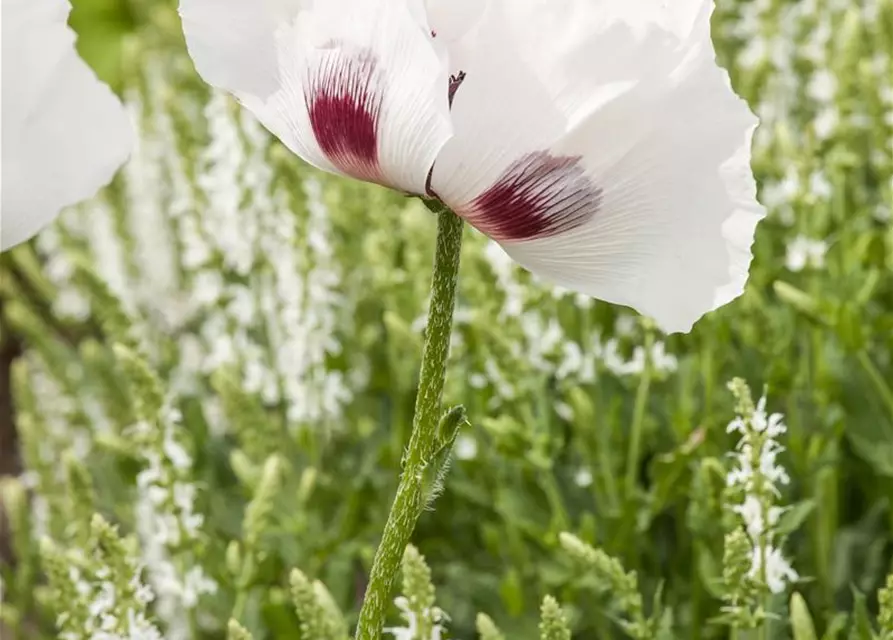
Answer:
(861, 629)
(794, 517)
(836, 627)
(801, 620)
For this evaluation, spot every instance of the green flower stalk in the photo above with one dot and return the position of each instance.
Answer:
(82, 500)
(487, 629)
(419, 592)
(885, 613)
(424, 620)
(258, 511)
(742, 590)
(145, 387)
(17, 593)
(259, 433)
(319, 616)
(235, 631)
(97, 589)
(168, 525)
(615, 580)
(425, 443)
(754, 566)
(553, 623)
(242, 558)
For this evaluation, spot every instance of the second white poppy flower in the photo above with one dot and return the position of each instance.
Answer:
(596, 140)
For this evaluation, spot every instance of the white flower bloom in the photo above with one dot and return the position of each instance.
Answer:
(751, 512)
(195, 584)
(64, 132)
(823, 86)
(826, 122)
(769, 467)
(564, 411)
(512, 289)
(140, 628)
(779, 572)
(754, 53)
(410, 631)
(776, 194)
(104, 600)
(819, 185)
(466, 447)
(772, 425)
(625, 325)
(583, 478)
(805, 252)
(477, 381)
(599, 144)
(661, 362)
(105, 605)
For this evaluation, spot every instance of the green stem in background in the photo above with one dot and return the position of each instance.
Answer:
(877, 379)
(425, 441)
(635, 436)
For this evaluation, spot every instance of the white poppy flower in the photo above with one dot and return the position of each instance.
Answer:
(64, 132)
(596, 141)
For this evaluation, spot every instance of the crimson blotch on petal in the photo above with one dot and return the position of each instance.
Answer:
(358, 87)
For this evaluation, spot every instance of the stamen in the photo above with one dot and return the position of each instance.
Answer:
(455, 82)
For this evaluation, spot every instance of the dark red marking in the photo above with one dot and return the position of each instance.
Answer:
(343, 100)
(536, 197)
(455, 82)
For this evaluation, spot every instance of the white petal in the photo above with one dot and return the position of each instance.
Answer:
(233, 42)
(671, 235)
(64, 132)
(585, 52)
(501, 112)
(452, 19)
(639, 190)
(359, 86)
(532, 70)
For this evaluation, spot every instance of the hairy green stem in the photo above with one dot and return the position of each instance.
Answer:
(424, 441)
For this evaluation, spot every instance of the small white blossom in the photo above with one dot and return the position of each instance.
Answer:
(819, 185)
(823, 86)
(466, 447)
(410, 631)
(826, 122)
(805, 252)
(583, 477)
(660, 361)
(779, 573)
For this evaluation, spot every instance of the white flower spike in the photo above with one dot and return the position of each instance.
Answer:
(64, 132)
(597, 141)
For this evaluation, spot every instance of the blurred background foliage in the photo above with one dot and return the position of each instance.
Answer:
(280, 311)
